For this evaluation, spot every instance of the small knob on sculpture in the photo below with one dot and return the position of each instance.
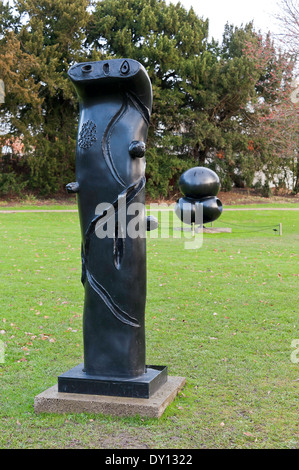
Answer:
(72, 187)
(137, 149)
(151, 223)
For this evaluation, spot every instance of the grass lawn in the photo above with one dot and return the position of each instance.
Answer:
(224, 316)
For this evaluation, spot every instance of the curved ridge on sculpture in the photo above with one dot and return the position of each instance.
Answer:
(106, 149)
(130, 193)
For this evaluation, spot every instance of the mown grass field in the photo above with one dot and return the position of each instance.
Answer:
(224, 316)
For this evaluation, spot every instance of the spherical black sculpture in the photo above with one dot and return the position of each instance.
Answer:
(200, 187)
(199, 182)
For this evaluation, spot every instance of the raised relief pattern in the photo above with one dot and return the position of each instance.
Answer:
(88, 135)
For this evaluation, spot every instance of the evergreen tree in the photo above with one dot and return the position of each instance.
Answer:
(21, 98)
(162, 37)
(204, 94)
(218, 105)
(48, 37)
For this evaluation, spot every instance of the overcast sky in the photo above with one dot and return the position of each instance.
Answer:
(236, 12)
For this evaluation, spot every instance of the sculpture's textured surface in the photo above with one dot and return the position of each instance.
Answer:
(115, 100)
(199, 185)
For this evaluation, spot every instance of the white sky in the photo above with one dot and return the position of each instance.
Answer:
(236, 12)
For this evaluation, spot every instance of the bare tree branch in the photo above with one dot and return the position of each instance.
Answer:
(288, 20)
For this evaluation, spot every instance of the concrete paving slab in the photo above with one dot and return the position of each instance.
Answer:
(52, 401)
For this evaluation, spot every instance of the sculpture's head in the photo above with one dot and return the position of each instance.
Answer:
(90, 78)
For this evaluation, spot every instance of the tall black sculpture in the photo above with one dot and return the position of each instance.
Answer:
(115, 100)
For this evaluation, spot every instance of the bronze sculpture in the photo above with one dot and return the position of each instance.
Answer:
(199, 186)
(115, 102)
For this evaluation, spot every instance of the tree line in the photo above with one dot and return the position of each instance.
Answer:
(223, 105)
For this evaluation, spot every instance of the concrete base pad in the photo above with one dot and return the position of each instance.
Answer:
(205, 229)
(216, 230)
(52, 401)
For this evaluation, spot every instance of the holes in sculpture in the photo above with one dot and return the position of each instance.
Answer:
(86, 68)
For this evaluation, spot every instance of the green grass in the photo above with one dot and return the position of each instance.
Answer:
(71, 204)
(42, 207)
(223, 316)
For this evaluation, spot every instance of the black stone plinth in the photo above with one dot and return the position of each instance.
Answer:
(144, 386)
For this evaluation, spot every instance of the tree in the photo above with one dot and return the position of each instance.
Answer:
(220, 105)
(22, 96)
(288, 20)
(204, 94)
(162, 37)
(46, 36)
(234, 90)
(277, 127)
(217, 94)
